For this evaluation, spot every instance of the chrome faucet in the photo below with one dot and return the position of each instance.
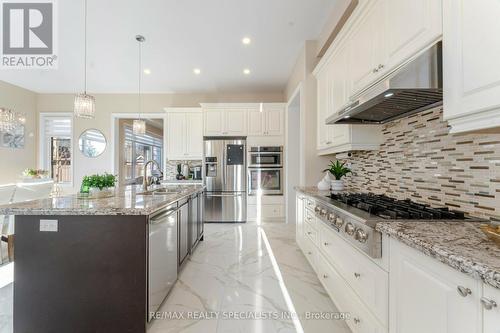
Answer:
(145, 178)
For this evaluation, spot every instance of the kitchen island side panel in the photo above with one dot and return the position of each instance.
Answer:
(89, 276)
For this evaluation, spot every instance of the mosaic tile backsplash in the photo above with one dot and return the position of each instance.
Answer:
(422, 161)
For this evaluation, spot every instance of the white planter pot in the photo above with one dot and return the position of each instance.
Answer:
(337, 185)
(106, 192)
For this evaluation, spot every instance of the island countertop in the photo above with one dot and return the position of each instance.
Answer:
(127, 201)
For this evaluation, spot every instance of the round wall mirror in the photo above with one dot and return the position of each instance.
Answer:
(92, 143)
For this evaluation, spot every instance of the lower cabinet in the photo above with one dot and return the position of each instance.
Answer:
(427, 296)
(491, 310)
(408, 292)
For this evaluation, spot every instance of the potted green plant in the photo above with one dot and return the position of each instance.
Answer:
(338, 170)
(99, 186)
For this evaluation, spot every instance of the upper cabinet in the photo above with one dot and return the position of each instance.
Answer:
(268, 121)
(244, 119)
(471, 49)
(184, 134)
(379, 37)
(224, 121)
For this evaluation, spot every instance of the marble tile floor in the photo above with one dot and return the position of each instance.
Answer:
(247, 269)
(240, 269)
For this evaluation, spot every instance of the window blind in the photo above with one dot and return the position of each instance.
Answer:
(57, 126)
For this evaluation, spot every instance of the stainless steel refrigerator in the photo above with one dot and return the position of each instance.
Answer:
(224, 175)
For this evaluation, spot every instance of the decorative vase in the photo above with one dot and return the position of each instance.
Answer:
(106, 192)
(337, 185)
(325, 183)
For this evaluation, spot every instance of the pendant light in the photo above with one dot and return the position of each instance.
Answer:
(84, 106)
(139, 125)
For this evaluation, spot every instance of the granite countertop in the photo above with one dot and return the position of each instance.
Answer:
(127, 201)
(458, 244)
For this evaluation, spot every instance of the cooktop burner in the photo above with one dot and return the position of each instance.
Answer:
(389, 208)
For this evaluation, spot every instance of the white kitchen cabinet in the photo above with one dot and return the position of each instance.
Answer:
(184, 135)
(235, 122)
(194, 135)
(427, 296)
(471, 74)
(213, 120)
(299, 209)
(366, 47)
(410, 26)
(491, 309)
(266, 122)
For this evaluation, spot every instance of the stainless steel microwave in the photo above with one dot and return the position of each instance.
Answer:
(266, 157)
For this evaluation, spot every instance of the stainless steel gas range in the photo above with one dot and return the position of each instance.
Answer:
(354, 216)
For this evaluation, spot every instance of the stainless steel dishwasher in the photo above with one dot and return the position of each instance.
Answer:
(183, 224)
(163, 253)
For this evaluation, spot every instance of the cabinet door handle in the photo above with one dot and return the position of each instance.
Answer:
(326, 243)
(357, 320)
(374, 70)
(380, 66)
(309, 232)
(488, 304)
(325, 276)
(357, 275)
(463, 291)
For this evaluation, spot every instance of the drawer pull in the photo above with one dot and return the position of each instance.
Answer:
(488, 304)
(309, 232)
(309, 253)
(463, 291)
(357, 275)
(357, 320)
(325, 276)
(326, 243)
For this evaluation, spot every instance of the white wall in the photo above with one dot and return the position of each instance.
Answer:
(310, 163)
(108, 104)
(14, 161)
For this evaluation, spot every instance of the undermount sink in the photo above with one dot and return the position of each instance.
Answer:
(160, 191)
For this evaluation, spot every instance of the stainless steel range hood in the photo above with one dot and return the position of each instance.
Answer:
(414, 87)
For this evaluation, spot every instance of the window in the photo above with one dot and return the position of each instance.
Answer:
(56, 146)
(138, 150)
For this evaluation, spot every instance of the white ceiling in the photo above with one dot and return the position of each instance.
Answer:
(180, 35)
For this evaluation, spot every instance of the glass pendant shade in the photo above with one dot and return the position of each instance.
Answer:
(139, 127)
(10, 120)
(84, 106)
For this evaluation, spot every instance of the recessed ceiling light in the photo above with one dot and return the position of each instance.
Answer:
(246, 71)
(147, 71)
(197, 71)
(246, 40)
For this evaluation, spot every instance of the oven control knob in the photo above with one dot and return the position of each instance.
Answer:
(339, 222)
(361, 236)
(349, 229)
(317, 209)
(323, 212)
(331, 217)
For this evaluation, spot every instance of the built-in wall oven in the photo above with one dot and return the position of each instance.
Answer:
(265, 171)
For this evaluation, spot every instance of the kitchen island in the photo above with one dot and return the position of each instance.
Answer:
(100, 265)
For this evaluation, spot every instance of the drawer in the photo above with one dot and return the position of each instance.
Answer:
(310, 204)
(310, 218)
(360, 318)
(367, 280)
(310, 251)
(311, 233)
